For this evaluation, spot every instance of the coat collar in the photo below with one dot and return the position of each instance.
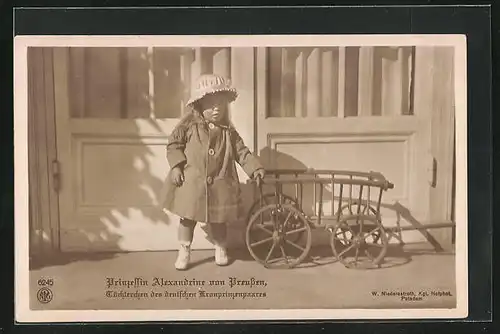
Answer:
(197, 118)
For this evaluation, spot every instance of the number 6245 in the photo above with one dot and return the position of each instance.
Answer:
(45, 282)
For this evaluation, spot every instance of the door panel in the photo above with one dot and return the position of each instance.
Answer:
(115, 109)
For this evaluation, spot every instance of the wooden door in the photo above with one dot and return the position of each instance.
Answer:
(349, 108)
(115, 108)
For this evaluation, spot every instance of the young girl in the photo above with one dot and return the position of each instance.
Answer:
(203, 185)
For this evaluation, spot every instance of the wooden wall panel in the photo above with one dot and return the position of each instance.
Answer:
(300, 84)
(329, 83)
(365, 83)
(351, 80)
(341, 83)
(313, 88)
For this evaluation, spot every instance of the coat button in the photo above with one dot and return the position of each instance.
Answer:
(211, 151)
(211, 125)
(209, 180)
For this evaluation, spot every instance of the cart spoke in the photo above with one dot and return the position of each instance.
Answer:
(263, 229)
(267, 225)
(372, 232)
(356, 256)
(295, 245)
(346, 250)
(270, 252)
(257, 243)
(283, 253)
(296, 231)
(343, 241)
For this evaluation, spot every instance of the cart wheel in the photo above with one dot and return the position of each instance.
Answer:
(271, 241)
(271, 198)
(359, 241)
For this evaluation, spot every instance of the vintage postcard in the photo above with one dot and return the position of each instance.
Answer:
(174, 178)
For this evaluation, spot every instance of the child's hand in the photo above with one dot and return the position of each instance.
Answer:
(177, 176)
(258, 175)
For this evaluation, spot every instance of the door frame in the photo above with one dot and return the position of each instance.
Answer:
(42, 154)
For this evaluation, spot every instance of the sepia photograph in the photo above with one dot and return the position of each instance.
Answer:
(240, 177)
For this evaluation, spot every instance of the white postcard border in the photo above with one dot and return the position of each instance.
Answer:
(22, 309)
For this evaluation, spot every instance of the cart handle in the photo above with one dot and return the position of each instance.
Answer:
(258, 181)
(379, 176)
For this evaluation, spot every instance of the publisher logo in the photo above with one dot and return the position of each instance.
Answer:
(44, 295)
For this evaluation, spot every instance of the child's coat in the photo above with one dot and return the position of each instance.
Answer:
(210, 192)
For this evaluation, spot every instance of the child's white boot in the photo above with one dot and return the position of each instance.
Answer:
(183, 256)
(221, 258)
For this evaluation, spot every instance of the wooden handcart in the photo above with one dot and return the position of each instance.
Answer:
(279, 231)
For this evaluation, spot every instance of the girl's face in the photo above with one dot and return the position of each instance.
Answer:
(214, 107)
